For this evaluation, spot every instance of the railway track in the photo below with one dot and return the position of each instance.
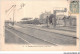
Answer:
(53, 39)
(52, 32)
(16, 32)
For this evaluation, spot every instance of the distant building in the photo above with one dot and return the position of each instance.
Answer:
(43, 17)
(66, 20)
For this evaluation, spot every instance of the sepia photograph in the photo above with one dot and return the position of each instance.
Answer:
(48, 23)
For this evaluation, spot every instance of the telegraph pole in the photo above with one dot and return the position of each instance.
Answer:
(47, 20)
(14, 14)
(13, 8)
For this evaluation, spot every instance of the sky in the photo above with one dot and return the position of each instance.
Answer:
(31, 8)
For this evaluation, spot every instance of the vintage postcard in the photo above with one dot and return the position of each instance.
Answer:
(39, 25)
